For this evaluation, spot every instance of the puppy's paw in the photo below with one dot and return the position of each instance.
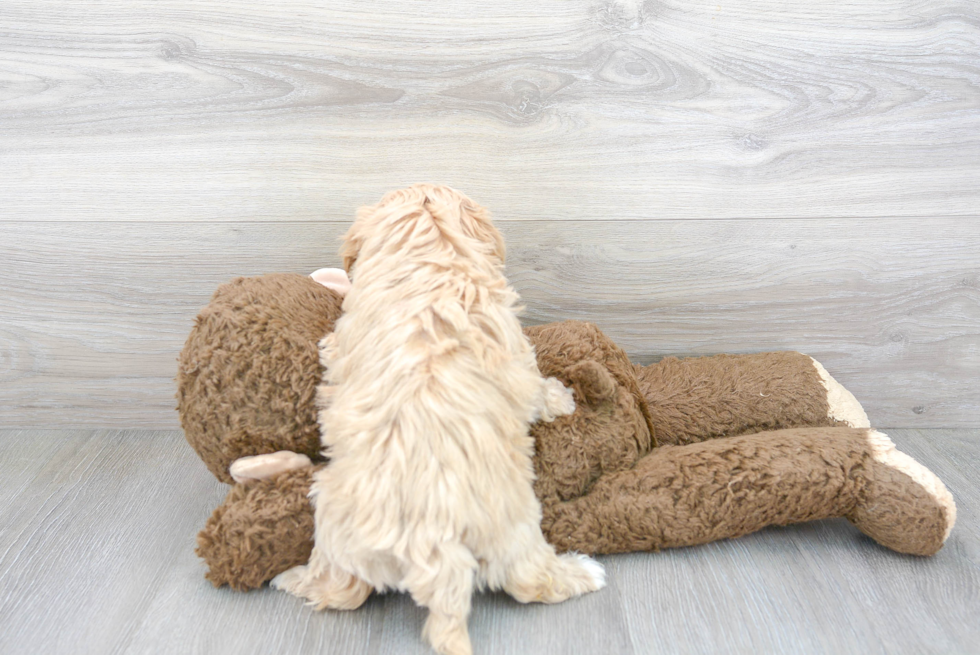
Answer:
(562, 578)
(333, 589)
(447, 634)
(291, 580)
(558, 400)
(578, 574)
(595, 574)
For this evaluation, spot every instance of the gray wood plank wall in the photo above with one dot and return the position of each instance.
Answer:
(694, 177)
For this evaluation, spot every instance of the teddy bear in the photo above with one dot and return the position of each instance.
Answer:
(677, 453)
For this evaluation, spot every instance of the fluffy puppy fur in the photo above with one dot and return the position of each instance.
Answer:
(430, 388)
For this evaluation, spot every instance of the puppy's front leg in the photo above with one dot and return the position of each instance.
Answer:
(554, 400)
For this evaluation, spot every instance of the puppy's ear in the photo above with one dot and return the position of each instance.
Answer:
(476, 224)
(354, 239)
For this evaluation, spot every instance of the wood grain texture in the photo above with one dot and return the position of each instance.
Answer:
(94, 314)
(556, 109)
(871, 601)
(97, 557)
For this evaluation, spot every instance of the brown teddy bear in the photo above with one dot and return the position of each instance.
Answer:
(676, 453)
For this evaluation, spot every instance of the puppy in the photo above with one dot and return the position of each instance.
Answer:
(429, 391)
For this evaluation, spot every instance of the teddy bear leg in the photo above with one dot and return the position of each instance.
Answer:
(842, 406)
(723, 488)
(904, 506)
(701, 398)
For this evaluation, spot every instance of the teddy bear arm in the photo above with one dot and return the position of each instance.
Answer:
(701, 398)
(702, 492)
(263, 528)
(608, 432)
(266, 465)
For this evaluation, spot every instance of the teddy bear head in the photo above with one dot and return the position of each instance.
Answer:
(247, 376)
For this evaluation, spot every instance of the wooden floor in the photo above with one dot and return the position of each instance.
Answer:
(96, 556)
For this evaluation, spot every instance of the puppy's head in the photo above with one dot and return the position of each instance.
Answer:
(423, 211)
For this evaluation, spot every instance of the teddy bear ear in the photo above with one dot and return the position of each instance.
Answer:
(592, 380)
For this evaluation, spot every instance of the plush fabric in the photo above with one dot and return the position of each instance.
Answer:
(708, 397)
(677, 453)
(610, 429)
(247, 376)
(721, 489)
(264, 527)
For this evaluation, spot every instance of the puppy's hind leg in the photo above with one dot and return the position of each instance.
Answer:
(323, 585)
(534, 573)
(444, 584)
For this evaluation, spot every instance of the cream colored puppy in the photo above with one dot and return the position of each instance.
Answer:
(429, 391)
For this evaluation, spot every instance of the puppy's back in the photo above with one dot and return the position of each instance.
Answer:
(429, 428)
